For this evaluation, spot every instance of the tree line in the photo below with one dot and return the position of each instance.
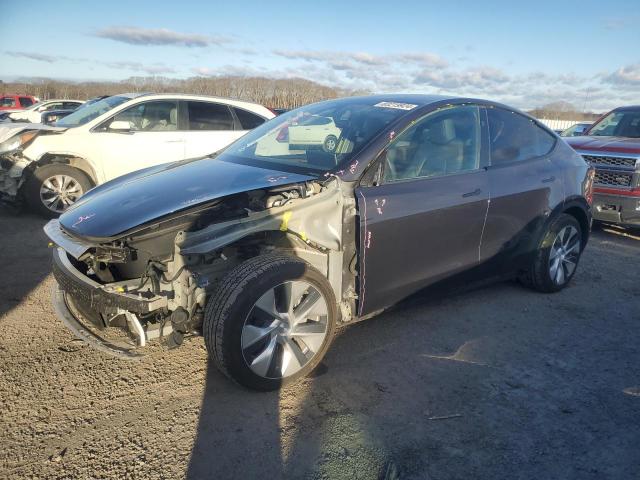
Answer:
(271, 92)
(274, 93)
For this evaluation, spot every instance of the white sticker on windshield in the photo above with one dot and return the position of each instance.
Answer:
(399, 106)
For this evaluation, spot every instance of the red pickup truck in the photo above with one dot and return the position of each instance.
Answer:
(612, 147)
(16, 102)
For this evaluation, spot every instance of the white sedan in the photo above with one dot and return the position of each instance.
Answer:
(33, 114)
(51, 167)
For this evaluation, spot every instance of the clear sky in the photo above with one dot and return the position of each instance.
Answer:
(524, 53)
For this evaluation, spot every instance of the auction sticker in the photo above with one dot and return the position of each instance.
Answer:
(399, 106)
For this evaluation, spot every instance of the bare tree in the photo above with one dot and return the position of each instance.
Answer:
(272, 92)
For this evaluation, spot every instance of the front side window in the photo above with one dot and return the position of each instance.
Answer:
(158, 116)
(70, 105)
(248, 120)
(26, 102)
(90, 112)
(625, 123)
(51, 106)
(442, 143)
(209, 116)
(514, 137)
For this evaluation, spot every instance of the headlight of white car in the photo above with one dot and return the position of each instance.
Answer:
(16, 142)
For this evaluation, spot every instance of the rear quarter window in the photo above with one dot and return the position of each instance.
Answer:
(516, 138)
(248, 120)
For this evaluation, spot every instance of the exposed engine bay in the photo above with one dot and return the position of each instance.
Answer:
(154, 282)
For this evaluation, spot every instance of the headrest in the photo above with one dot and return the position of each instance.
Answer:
(441, 132)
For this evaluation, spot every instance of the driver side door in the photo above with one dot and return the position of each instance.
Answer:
(424, 221)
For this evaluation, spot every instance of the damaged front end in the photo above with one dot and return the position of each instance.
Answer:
(13, 163)
(14, 139)
(153, 282)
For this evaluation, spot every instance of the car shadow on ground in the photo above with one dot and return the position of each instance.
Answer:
(25, 267)
(490, 381)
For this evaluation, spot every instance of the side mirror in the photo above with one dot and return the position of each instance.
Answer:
(120, 126)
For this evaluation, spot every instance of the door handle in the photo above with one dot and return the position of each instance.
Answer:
(548, 180)
(477, 191)
(173, 141)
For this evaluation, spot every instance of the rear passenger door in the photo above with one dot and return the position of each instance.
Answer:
(210, 127)
(524, 185)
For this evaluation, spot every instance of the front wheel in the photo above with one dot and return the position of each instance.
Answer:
(270, 322)
(557, 257)
(330, 144)
(53, 188)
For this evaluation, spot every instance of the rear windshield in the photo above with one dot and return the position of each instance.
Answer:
(86, 113)
(316, 138)
(621, 123)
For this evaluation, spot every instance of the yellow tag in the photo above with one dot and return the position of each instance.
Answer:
(120, 289)
(51, 245)
(284, 226)
(303, 236)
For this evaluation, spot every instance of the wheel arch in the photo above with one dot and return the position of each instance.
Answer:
(67, 159)
(579, 209)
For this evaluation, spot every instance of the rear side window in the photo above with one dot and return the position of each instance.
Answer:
(26, 101)
(70, 105)
(209, 116)
(8, 102)
(248, 120)
(515, 138)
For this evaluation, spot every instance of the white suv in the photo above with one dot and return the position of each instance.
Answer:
(51, 167)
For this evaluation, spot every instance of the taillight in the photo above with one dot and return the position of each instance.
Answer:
(283, 135)
(588, 188)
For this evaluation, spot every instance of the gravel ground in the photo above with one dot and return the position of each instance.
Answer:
(497, 382)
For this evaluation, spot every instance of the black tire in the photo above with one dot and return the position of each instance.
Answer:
(330, 144)
(230, 305)
(35, 182)
(538, 276)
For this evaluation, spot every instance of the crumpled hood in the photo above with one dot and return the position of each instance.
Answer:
(606, 144)
(146, 195)
(8, 130)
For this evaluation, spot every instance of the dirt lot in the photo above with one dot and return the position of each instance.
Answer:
(498, 382)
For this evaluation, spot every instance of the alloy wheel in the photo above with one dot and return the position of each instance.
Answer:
(285, 329)
(59, 192)
(564, 254)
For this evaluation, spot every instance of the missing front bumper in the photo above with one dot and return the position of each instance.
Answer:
(100, 297)
(84, 332)
(84, 305)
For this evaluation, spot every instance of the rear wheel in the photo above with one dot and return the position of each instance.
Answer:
(53, 188)
(557, 257)
(270, 322)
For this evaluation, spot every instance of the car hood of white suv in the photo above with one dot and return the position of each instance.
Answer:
(9, 130)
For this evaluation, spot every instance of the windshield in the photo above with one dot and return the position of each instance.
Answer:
(86, 113)
(316, 138)
(621, 123)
